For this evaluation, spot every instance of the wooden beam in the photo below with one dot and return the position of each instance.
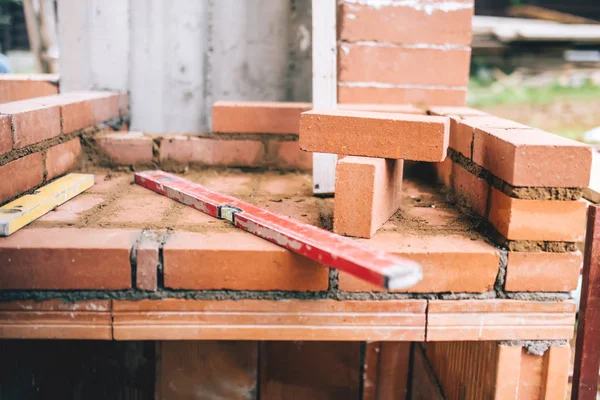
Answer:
(587, 352)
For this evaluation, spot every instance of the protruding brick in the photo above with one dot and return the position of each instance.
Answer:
(66, 258)
(287, 155)
(213, 152)
(15, 87)
(147, 261)
(32, 122)
(63, 157)
(406, 25)
(532, 157)
(542, 272)
(470, 189)
(257, 117)
(426, 96)
(379, 135)
(397, 65)
(20, 175)
(524, 219)
(221, 260)
(5, 134)
(127, 148)
(367, 194)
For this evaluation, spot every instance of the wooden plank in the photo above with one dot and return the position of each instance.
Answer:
(324, 85)
(207, 370)
(587, 353)
(26, 209)
(309, 370)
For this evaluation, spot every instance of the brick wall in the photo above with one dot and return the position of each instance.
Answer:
(40, 136)
(404, 52)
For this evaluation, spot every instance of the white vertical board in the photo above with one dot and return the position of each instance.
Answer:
(168, 65)
(324, 84)
(94, 44)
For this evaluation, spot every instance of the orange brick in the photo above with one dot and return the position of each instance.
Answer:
(53, 319)
(15, 87)
(542, 272)
(507, 372)
(403, 65)
(462, 130)
(471, 189)
(531, 157)
(220, 261)
(522, 219)
(287, 155)
(80, 110)
(20, 175)
(62, 158)
(213, 152)
(367, 193)
(348, 93)
(257, 117)
(328, 320)
(147, 261)
(497, 319)
(371, 134)
(127, 148)
(406, 25)
(31, 122)
(66, 258)
(385, 108)
(444, 258)
(444, 171)
(5, 134)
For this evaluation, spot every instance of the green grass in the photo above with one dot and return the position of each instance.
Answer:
(481, 95)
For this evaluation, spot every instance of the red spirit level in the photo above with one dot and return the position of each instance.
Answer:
(377, 267)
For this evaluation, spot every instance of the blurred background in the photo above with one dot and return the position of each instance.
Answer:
(533, 61)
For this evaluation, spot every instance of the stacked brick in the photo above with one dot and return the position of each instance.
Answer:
(369, 181)
(526, 185)
(39, 137)
(391, 51)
